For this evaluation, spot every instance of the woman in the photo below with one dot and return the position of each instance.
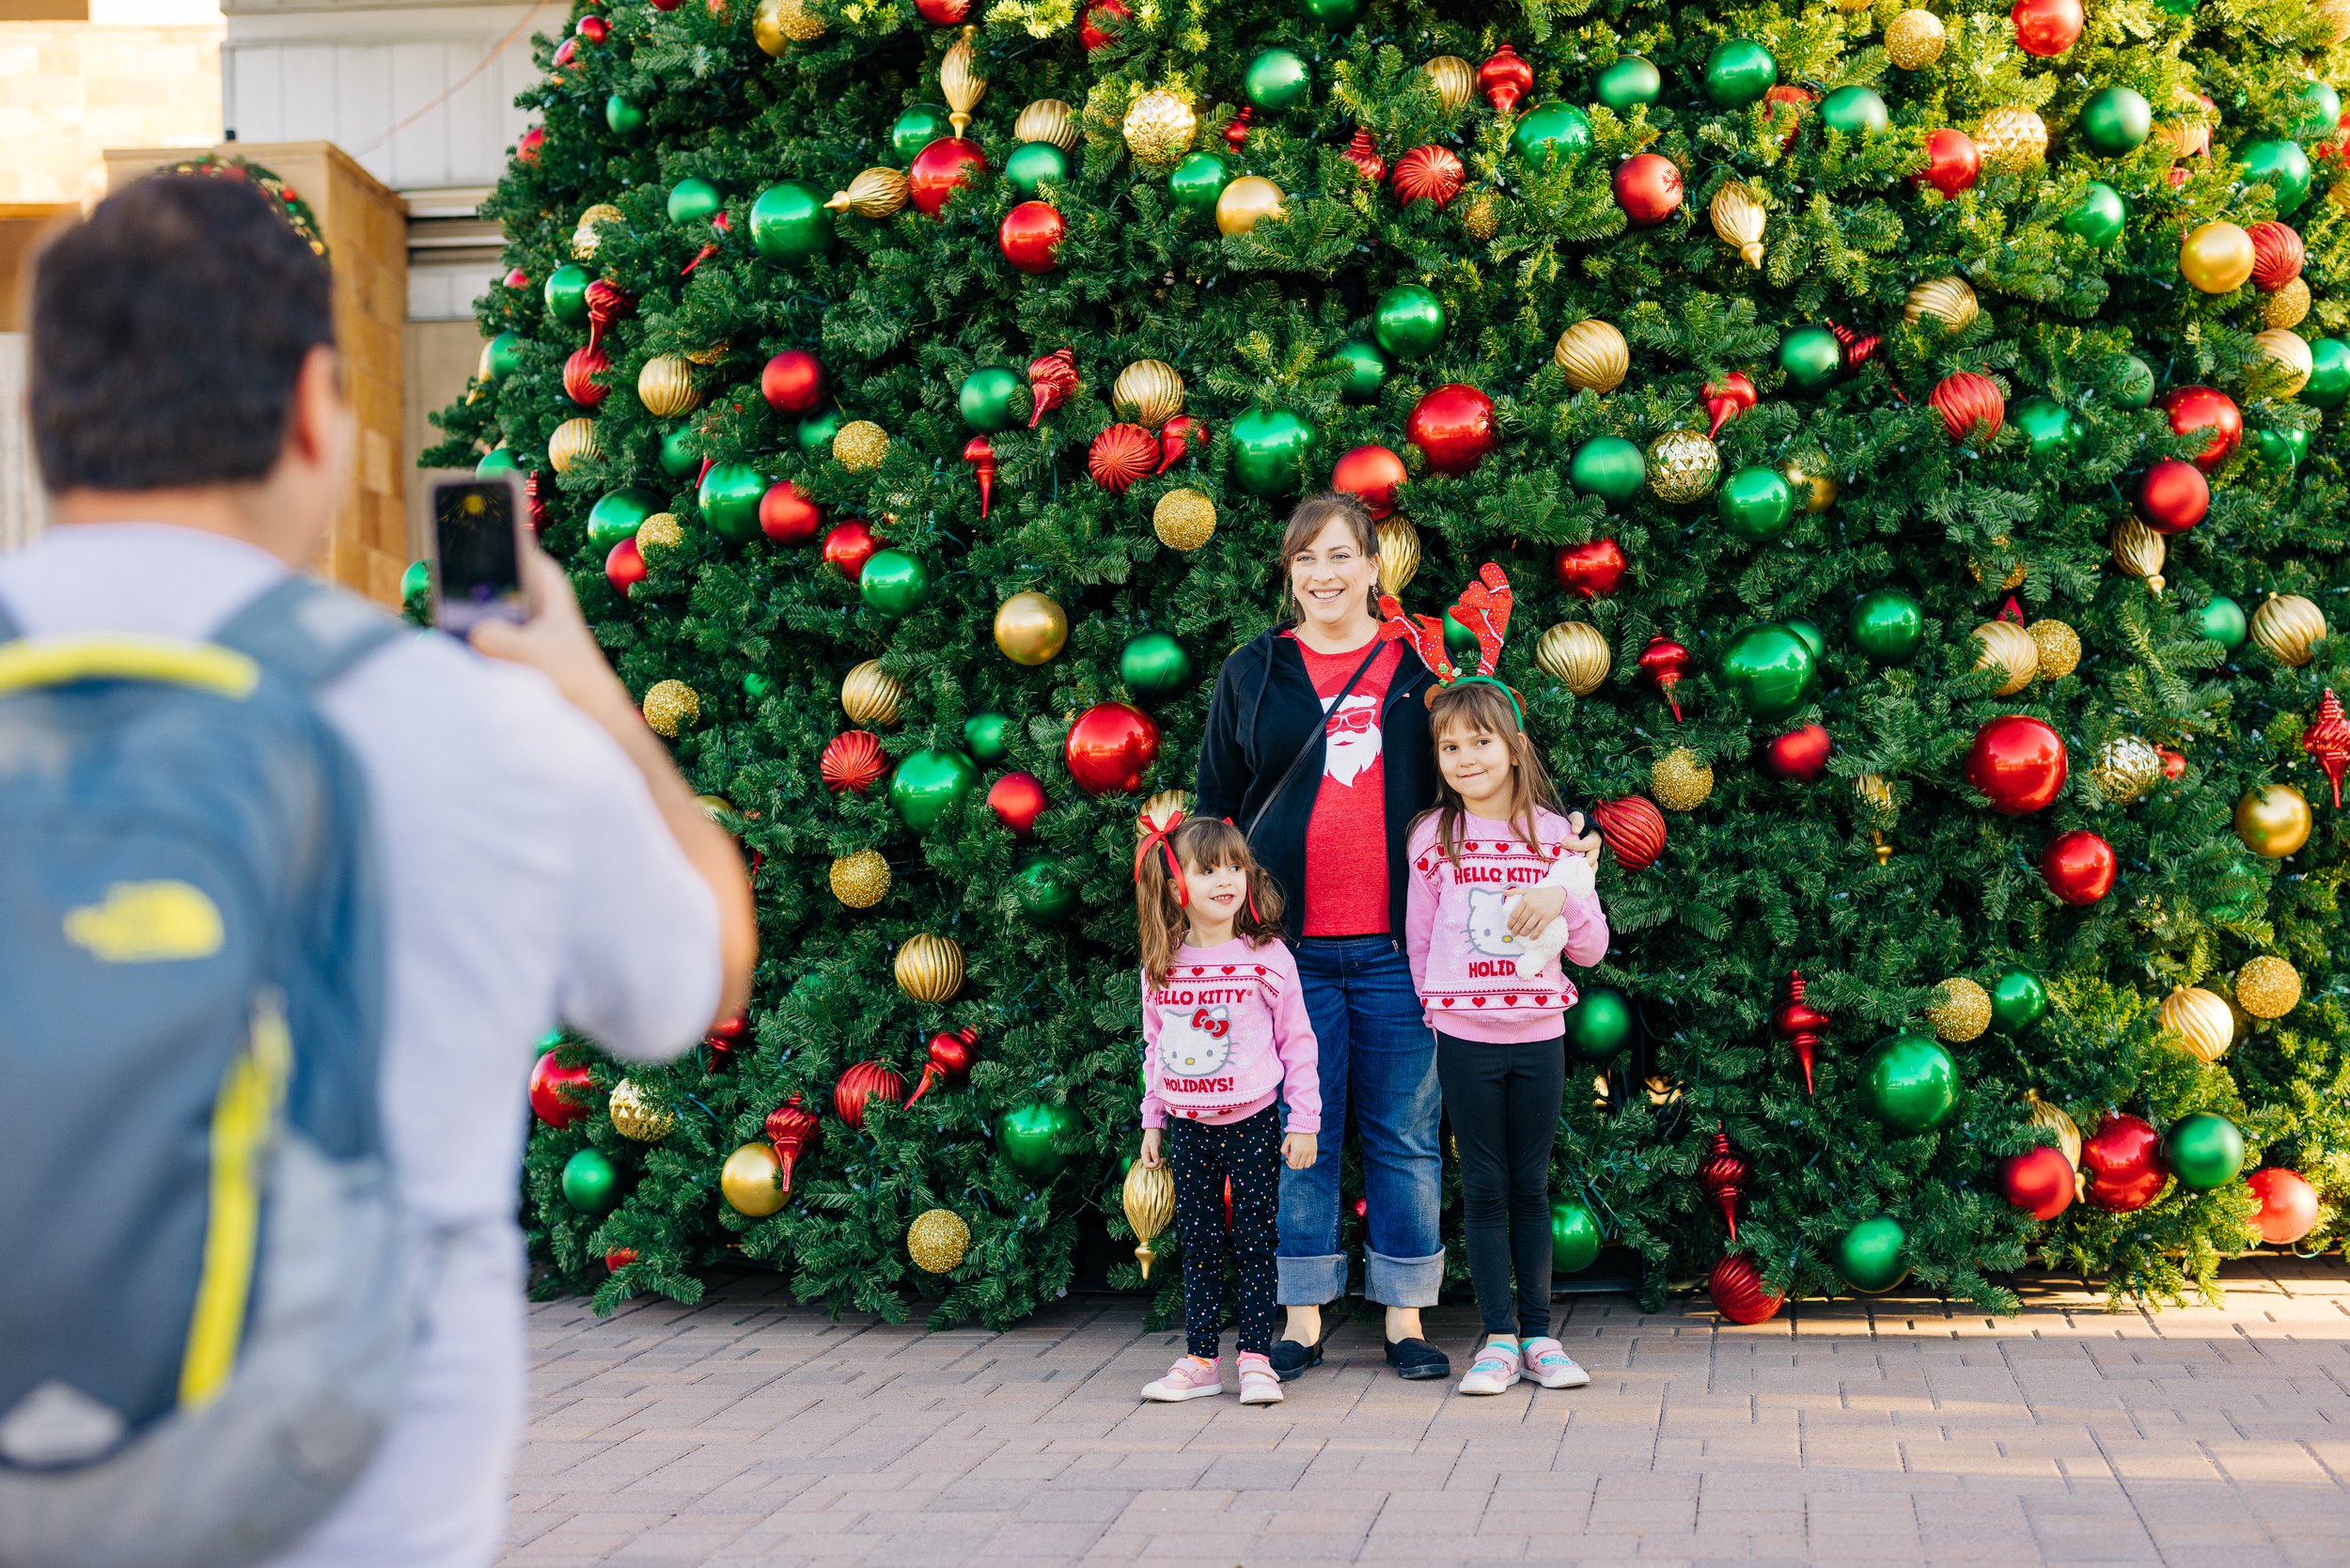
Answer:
(1317, 748)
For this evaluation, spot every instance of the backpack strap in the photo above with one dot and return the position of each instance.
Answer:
(9, 630)
(307, 632)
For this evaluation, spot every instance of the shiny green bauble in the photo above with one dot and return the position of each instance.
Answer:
(415, 580)
(2222, 620)
(2283, 164)
(1045, 890)
(2204, 1150)
(1333, 13)
(2019, 999)
(1194, 184)
(1154, 664)
(728, 499)
(1755, 503)
(589, 1182)
(1738, 73)
(617, 515)
(505, 355)
(2116, 120)
(893, 583)
(1808, 632)
(2048, 425)
(695, 201)
(988, 399)
(2321, 110)
(1035, 1140)
(496, 461)
(1460, 643)
(930, 785)
(815, 433)
(1271, 450)
(1609, 467)
(1600, 1023)
(1548, 127)
(1811, 357)
(1628, 84)
(1769, 668)
(817, 994)
(1032, 164)
(757, 686)
(1366, 370)
(1855, 112)
(988, 737)
(1887, 625)
(1574, 1238)
(680, 453)
(915, 130)
(2097, 214)
(567, 294)
(1911, 1082)
(1870, 1255)
(2131, 381)
(1408, 320)
(626, 120)
(2281, 448)
(2329, 373)
(1277, 79)
(789, 223)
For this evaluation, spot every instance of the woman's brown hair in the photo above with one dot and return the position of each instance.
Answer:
(1314, 514)
(1479, 705)
(1199, 844)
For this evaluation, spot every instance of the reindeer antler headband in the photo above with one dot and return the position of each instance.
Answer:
(1484, 610)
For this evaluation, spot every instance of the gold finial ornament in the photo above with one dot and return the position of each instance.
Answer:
(2139, 551)
(1680, 781)
(2059, 648)
(870, 696)
(1149, 392)
(1914, 40)
(671, 706)
(1738, 217)
(573, 440)
(2267, 987)
(2013, 139)
(2201, 1021)
(1576, 654)
(928, 968)
(861, 880)
(584, 236)
(1047, 120)
(1399, 554)
(959, 79)
(1949, 300)
(667, 386)
(1961, 1010)
(1159, 129)
(2043, 1113)
(1185, 518)
(875, 193)
(1452, 79)
(2008, 648)
(2289, 626)
(860, 447)
(1150, 1199)
(1594, 357)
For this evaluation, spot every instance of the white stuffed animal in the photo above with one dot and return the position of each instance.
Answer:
(1574, 873)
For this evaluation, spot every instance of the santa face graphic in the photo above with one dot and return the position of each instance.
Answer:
(1352, 738)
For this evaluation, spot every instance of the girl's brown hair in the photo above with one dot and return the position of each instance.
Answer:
(1314, 514)
(1472, 706)
(1200, 845)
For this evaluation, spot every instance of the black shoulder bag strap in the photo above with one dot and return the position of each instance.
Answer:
(1378, 646)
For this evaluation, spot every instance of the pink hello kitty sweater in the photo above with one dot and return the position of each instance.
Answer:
(1225, 1034)
(1456, 931)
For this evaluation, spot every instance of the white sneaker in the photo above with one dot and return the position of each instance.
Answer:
(1547, 1363)
(1497, 1367)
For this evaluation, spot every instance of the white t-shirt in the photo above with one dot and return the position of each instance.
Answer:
(526, 879)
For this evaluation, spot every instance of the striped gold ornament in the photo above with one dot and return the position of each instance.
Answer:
(2008, 648)
(1574, 653)
(875, 193)
(1949, 300)
(573, 441)
(869, 695)
(2201, 1020)
(1047, 120)
(2139, 551)
(2289, 626)
(2043, 1113)
(1399, 554)
(928, 968)
(1738, 216)
(960, 79)
(1593, 355)
(1149, 1197)
(1452, 79)
(1149, 392)
(2285, 364)
(668, 388)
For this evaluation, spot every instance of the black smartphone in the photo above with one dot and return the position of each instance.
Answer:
(477, 546)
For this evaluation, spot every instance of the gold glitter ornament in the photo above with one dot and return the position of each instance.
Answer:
(1594, 357)
(2289, 626)
(860, 880)
(1159, 129)
(2014, 574)
(1452, 79)
(1813, 481)
(709, 356)
(1949, 300)
(1961, 1009)
(2285, 364)
(1047, 120)
(1399, 554)
(1574, 653)
(2043, 1113)
(860, 446)
(584, 236)
(1481, 216)
(1149, 1197)
(1680, 781)
(1914, 40)
(2201, 1020)
(777, 25)
(928, 968)
(2011, 140)
(2008, 648)
(2267, 987)
(1184, 519)
(875, 193)
(573, 440)
(938, 1241)
(868, 696)
(2335, 14)
(2059, 648)
(667, 386)
(2139, 551)
(671, 706)
(635, 1117)
(1738, 217)
(661, 531)
(960, 80)
(1149, 392)
(1683, 466)
(2124, 769)
(2288, 307)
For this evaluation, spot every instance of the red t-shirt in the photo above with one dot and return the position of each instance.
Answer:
(1346, 838)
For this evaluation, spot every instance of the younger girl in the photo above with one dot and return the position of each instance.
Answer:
(1489, 867)
(1225, 1034)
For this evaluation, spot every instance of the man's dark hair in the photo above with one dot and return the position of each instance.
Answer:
(167, 332)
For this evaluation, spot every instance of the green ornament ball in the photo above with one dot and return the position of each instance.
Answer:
(1769, 668)
(1870, 1255)
(1194, 184)
(1887, 625)
(625, 119)
(566, 294)
(1574, 1238)
(1808, 632)
(1755, 503)
(1460, 643)
(1811, 358)
(2116, 120)
(1855, 112)
(817, 994)
(1271, 450)
(1333, 13)
(757, 686)
(1154, 665)
(2019, 999)
(496, 461)
(694, 201)
(415, 580)
(1277, 79)
(2132, 381)
(1034, 1140)
(2204, 1150)
(1629, 83)
(2222, 622)
(815, 433)
(2283, 164)
(1551, 126)
(988, 737)
(682, 453)
(1408, 320)
(2097, 214)
(789, 223)
(1911, 1082)
(916, 129)
(590, 1184)
(1739, 73)
(617, 515)
(2321, 110)
(1032, 164)
(1609, 467)
(729, 498)
(930, 785)
(2281, 448)
(2051, 427)
(989, 398)
(1600, 1024)
(2329, 373)
(504, 356)
(893, 583)
(1045, 890)
(1366, 370)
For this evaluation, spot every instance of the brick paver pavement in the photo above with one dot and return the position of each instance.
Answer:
(748, 1431)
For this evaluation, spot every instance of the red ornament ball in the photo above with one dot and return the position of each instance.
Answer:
(1633, 828)
(861, 1086)
(943, 13)
(1736, 1287)
(1372, 473)
(580, 374)
(2276, 255)
(1110, 748)
(559, 1092)
(853, 760)
(1453, 428)
(2047, 27)
(1594, 570)
(941, 169)
(2288, 1205)
(792, 382)
(2017, 762)
(789, 515)
(2173, 495)
(2040, 1181)
(532, 140)
(849, 545)
(518, 279)
(1090, 32)
(1648, 188)
(1018, 799)
(2194, 409)
(1952, 162)
(1030, 236)
(1800, 755)
(1120, 455)
(618, 1259)
(1429, 173)
(2078, 866)
(2121, 1166)
(1972, 407)
(2173, 763)
(595, 29)
(624, 567)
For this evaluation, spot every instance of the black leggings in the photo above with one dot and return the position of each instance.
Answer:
(1503, 1102)
(1248, 1151)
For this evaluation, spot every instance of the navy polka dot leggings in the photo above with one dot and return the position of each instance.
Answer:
(1201, 1156)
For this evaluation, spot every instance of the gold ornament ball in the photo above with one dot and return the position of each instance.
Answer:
(2125, 768)
(2215, 256)
(1452, 79)
(661, 531)
(2285, 364)
(1185, 518)
(1594, 357)
(868, 696)
(1739, 216)
(1576, 654)
(2008, 648)
(2059, 646)
(928, 968)
(1399, 554)
(2273, 821)
(1914, 40)
(584, 238)
(2042, 1113)
(671, 706)
(2201, 1020)
(1683, 466)
(860, 880)
(1481, 216)
(2267, 987)
(779, 24)
(1149, 392)
(2013, 139)
(937, 1241)
(1248, 202)
(2015, 573)
(635, 1117)
(668, 388)
(709, 356)
(2289, 626)
(1949, 300)
(1961, 1009)
(1031, 628)
(1680, 781)
(1047, 120)
(1149, 1197)
(2335, 14)
(2288, 307)
(1814, 484)
(2139, 551)
(752, 1181)
(860, 446)
(1159, 129)
(573, 441)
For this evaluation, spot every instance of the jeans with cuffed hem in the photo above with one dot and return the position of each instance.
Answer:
(1377, 1057)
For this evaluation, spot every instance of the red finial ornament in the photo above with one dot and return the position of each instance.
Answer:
(980, 454)
(1799, 1023)
(951, 1056)
(793, 1130)
(1723, 1178)
(860, 1086)
(534, 492)
(1051, 379)
(1727, 397)
(2327, 740)
(1363, 152)
(1504, 79)
(2011, 611)
(606, 303)
(1859, 348)
(1177, 438)
(1666, 661)
(1236, 133)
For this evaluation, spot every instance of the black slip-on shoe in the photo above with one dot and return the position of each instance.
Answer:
(1417, 1360)
(1288, 1358)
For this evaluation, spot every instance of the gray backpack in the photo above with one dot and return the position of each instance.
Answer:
(210, 1291)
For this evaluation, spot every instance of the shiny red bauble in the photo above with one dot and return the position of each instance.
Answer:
(2288, 1205)
(1800, 755)
(559, 1092)
(2121, 1166)
(624, 566)
(792, 382)
(789, 515)
(943, 13)
(1952, 162)
(2205, 409)
(2276, 255)
(2173, 495)
(1110, 748)
(1030, 236)
(1593, 570)
(2173, 763)
(1633, 829)
(849, 545)
(1018, 799)
(1972, 407)
(1429, 173)
(2078, 866)
(2040, 1181)
(1371, 473)
(526, 150)
(2047, 27)
(852, 761)
(1090, 31)
(862, 1085)
(517, 278)
(1453, 428)
(595, 29)
(1736, 1287)
(1648, 188)
(580, 373)
(941, 169)
(2018, 762)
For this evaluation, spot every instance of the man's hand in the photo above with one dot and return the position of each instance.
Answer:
(1297, 1151)
(1152, 1140)
(1533, 909)
(555, 641)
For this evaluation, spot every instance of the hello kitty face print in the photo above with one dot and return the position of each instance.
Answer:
(1201, 1043)
(1352, 738)
(1488, 924)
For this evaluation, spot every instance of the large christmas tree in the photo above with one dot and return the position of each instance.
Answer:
(1911, 425)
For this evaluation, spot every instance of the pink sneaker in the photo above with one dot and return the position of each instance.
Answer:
(1188, 1378)
(1258, 1382)
(1547, 1363)
(1495, 1369)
